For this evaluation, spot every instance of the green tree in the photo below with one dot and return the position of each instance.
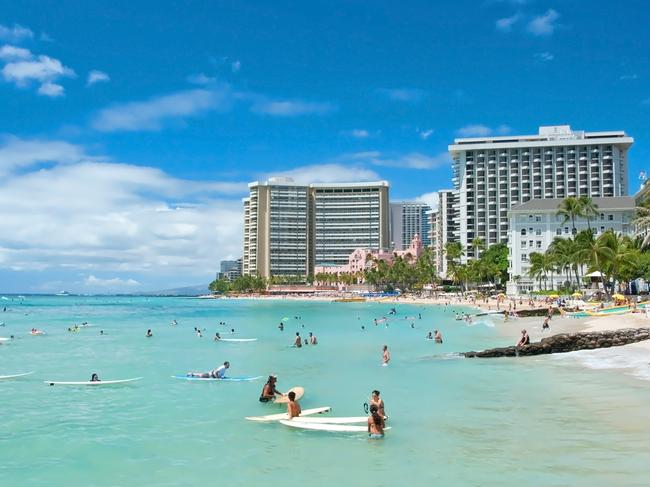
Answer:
(219, 286)
(570, 208)
(588, 209)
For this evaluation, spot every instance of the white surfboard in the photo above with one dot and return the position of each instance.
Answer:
(4, 339)
(7, 377)
(237, 340)
(330, 420)
(279, 416)
(338, 428)
(90, 383)
(285, 399)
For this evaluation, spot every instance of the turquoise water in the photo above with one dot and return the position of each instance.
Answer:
(537, 421)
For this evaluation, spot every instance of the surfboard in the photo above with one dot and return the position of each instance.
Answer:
(91, 383)
(212, 379)
(4, 339)
(279, 416)
(7, 377)
(237, 340)
(36, 333)
(338, 428)
(285, 399)
(330, 420)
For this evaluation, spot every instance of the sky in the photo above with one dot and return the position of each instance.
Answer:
(129, 130)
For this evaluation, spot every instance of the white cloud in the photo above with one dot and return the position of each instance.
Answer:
(16, 153)
(479, 130)
(425, 134)
(327, 173)
(114, 283)
(44, 70)
(96, 76)
(99, 217)
(430, 199)
(201, 79)
(290, 108)
(155, 112)
(16, 33)
(545, 56)
(626, 77)
(544, 24)
(505, 24)
(235, 66)
(409, 95)
(12, 53)
(357, 133)
(412, 160)
(50, 89)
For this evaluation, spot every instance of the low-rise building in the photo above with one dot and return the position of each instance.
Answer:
(534, 225)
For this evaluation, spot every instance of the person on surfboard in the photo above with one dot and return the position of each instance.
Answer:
(218, 373)
(94, 378)
(269, 390)
(293, 408)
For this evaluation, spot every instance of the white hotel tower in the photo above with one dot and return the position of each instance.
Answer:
(492, 174)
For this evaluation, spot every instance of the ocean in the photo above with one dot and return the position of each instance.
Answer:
(532, 421)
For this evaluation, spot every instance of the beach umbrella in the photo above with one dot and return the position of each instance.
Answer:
(554, 296)
(618, 297)
(576, 294)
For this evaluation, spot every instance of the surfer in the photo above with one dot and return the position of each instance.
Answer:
(524, 340)
(174, 322)
(149, 334)
(312, 339)
(375, 423)
(218, 373)
(94, 378)
(385, 355)
(269, 390)
(438, 336)
(293, 408)
(298, 341)
(430, 336)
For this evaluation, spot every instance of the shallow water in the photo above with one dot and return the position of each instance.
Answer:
(534, 421)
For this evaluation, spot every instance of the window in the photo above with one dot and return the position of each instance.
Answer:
(610, 217)
(530, 231)
(538, 218)
(523, 232)
(524, 257)
(602, 229)
(558, 231)
(530, 217)
(530, 243)
(602, 216)
(523, 244)
(538, 231)
(566, 230)
(538, 244)
(575, 230)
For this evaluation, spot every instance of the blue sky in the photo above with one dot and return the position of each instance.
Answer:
(128, 130)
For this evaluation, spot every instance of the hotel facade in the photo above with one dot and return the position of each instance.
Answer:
(494, 174)
(408, 219)
(289, 228)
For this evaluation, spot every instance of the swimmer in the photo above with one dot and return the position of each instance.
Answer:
(412, 326)
(198, 334)
(269, 391)
(375, 424)
(376, 400)
(312, 339)
(94, 378)
(217, 337)
(438, 336)
(430, 336)
(385, 355)
(297, 343)
(149, 334)
(281, 326)
(293, 408)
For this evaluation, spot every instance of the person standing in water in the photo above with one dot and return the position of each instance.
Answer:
(438, 336)
(376, 400)
(269, 391)
(94, 378)
(293, 408)
(149, 334)
(281, 326)
(312, 339)
(376, 423)
(430, 336)
(217, 337)
(385, 355)
(298, 341)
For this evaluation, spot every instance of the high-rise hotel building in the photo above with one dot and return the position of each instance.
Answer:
(492, 174)
(407, 219)
(289, 228)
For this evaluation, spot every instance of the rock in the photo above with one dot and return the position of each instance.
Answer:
(569, 342)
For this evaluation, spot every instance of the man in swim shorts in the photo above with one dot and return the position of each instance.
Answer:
(293, 408)
(376, 400)
(218, 373)
(298, 341)
(375, 423)
(269, 390)
(312, 339)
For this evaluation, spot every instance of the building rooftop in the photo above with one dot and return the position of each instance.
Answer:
(550, 135)
(551, 204)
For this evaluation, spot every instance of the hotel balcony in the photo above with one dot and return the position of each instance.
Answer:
(560, 159)
(607, 156)
(537, 160)
(583, 158)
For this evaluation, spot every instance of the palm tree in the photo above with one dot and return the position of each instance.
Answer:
(598, 252)
(570, 208)
(589, 209)
(478, 245)
(536, 270)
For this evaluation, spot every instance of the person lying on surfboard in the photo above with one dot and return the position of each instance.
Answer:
(269, 391)
(218, 373)
(293, 408)
(94, 378)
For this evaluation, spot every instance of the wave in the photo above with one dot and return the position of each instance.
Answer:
(633, 361)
